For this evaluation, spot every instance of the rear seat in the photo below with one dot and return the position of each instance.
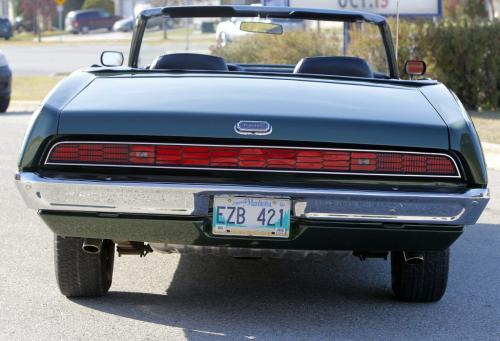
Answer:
(189, 61)
(336, 66)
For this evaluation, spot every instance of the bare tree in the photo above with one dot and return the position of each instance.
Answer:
(41, 11)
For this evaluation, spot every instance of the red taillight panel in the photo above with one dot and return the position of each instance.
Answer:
(252, 158)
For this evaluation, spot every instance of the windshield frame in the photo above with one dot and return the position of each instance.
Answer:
(263, 12)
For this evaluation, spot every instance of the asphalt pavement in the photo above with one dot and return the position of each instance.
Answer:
(34, 59)
(172, 297)
(65, 54)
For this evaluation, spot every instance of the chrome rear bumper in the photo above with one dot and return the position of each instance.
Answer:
(185, 199)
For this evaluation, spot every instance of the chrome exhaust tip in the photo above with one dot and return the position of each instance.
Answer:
(413, 258)
(92, 246)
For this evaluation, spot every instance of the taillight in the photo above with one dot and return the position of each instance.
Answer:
(253, 158)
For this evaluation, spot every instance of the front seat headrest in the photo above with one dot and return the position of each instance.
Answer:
(337, 66)
(189, 61)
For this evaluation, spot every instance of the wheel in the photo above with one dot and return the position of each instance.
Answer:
(423, 282)
(4, 104)
(80, 274)
(84, 30)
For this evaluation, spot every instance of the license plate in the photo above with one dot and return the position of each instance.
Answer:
(251, 217)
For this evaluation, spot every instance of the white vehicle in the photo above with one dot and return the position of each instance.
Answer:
(229, 31)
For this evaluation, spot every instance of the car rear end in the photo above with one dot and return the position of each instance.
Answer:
(6, 30)
(5, 83)
(186, 155)
(332, 179)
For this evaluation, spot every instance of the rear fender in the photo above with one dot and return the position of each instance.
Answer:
(45, 120)
(464, 140)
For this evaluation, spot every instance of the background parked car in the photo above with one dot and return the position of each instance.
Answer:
(92, 19)
(5, 28)
(124, 25)
(5, 83)
(22, 24)
(127, 24)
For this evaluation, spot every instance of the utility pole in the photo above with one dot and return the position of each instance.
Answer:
(187, 3)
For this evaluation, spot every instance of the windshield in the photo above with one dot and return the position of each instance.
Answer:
(264, 41)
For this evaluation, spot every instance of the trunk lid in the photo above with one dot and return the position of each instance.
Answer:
(301, 110)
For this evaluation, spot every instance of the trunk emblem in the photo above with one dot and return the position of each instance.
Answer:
(253, 128)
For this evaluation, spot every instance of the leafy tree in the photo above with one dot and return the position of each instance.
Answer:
(473, 9)
(476, 9)
(107, 5)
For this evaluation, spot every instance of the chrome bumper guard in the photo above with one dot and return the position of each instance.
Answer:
(181, 199)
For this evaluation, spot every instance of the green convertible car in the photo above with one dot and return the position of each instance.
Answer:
(284, 143)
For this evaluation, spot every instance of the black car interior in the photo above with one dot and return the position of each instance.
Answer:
(334, 66)
(189, 61)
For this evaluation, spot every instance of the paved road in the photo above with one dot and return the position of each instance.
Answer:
(48, 59)
(42, 59)
(169, 297)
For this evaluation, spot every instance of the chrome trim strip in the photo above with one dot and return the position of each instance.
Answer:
(191, 199)
(458, 176)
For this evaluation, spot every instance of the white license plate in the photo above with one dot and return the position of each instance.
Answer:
(251, 217)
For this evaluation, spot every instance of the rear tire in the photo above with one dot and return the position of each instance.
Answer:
(4, 104)
(425, 282)
(80, 274)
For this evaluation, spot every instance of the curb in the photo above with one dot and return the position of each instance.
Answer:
(23, 106)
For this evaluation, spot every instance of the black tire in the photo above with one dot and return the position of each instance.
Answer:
(425, 282)
(4, 104)
(80, 274)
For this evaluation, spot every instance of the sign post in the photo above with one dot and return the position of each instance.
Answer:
(60, 9)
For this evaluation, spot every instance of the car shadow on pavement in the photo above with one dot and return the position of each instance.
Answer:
(243, 299)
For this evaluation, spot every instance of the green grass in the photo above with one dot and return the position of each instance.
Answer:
(29, 37)
(32, 88)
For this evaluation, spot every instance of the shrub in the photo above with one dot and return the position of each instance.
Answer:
(467, 58)
(107, 5)
(289, 48)
(463, 54)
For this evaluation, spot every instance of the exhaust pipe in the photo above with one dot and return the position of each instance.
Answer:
(92, 246)
(413, 258)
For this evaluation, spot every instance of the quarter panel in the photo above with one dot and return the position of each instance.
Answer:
(45, 120)
(464, 139)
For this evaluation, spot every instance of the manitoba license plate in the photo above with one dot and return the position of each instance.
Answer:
(253, 217)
